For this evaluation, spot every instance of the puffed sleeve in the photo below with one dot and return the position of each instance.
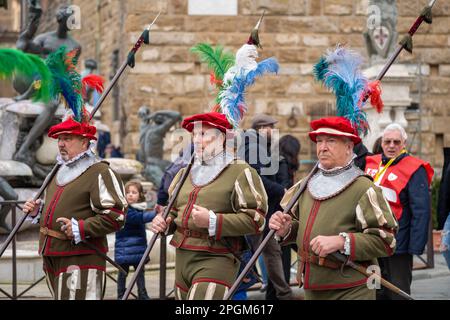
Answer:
(376, 227)
(249, 202)
(108, 203)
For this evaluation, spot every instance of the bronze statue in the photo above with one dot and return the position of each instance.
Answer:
(7, 193)
(153, 128)
(43, 44)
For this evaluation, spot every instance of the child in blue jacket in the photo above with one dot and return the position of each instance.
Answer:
(131, 241)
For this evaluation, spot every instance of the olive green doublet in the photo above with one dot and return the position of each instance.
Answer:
(359, 210)
(95, 199)
(238, 199)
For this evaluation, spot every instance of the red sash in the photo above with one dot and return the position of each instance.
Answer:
(396, 178)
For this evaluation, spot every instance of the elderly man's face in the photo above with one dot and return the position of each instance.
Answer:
(333, 151)
(208, 141)
(71, 145)
(392, 143)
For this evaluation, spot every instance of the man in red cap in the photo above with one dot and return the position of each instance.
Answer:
(341, 210)
(222, 200)
(83, 203)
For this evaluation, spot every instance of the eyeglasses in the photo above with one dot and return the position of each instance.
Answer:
(395, 142)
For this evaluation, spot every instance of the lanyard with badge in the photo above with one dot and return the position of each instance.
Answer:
(381, 172)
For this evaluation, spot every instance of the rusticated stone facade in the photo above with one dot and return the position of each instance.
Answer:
(297, 32)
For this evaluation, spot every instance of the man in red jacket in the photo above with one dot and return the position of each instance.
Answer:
(405, 181)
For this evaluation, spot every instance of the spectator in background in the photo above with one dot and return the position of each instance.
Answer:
(104, 139)
(444, 207)
(113, 152)
(361, 153)
(257, 144)
(289, 148)
(377, 149)
(131, 241)
(445, 241)
(405, 181)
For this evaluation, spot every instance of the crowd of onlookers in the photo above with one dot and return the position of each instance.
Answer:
(404, 179)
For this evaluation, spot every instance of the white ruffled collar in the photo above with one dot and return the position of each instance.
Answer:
(75, 167)
(336, 169)
(88, 153)
(202, 174)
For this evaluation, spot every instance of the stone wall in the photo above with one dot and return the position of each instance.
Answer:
(297, 32)
(9, 31)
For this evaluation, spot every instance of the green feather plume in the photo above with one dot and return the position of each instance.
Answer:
(66, 80)
(215, 57)
(13, 62)
(43, 92)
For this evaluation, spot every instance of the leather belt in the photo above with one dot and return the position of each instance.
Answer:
(53, 233)
(192, 234)
(306, 257)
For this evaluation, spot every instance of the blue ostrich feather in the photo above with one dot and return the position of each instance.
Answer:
(340, 72)
(269, 65)
(232, 96)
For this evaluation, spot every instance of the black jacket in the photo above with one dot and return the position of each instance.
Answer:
(443, 208)
(257, 155)
(361, 153)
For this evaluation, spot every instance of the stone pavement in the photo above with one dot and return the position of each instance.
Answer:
(428, 284)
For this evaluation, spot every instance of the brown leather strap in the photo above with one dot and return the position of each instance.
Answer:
(192, 234)
(53, 233)
(306, 257)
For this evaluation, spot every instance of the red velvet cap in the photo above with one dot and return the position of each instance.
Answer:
(71, 126)
(334, 126)
(213, 119)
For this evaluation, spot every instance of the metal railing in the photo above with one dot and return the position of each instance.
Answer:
(14, 295)
(14, 204)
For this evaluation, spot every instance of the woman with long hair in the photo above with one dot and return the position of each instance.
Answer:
(289, 148)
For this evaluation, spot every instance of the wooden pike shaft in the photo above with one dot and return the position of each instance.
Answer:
(155, 236)
(105, 256)
(56, 167)
(271, 233)
(340, 257)
(24, 217)
(295, 198)
(399, 49)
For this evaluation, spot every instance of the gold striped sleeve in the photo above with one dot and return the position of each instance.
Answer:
(107, 198)
(249, 203)
(376, 225)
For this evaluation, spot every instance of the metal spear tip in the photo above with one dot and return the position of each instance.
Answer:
(260, 20)
(431, 4)
(154, 20)
(254, 37)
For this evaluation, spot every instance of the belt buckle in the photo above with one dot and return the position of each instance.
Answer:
(187, 232)
(321, 261)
